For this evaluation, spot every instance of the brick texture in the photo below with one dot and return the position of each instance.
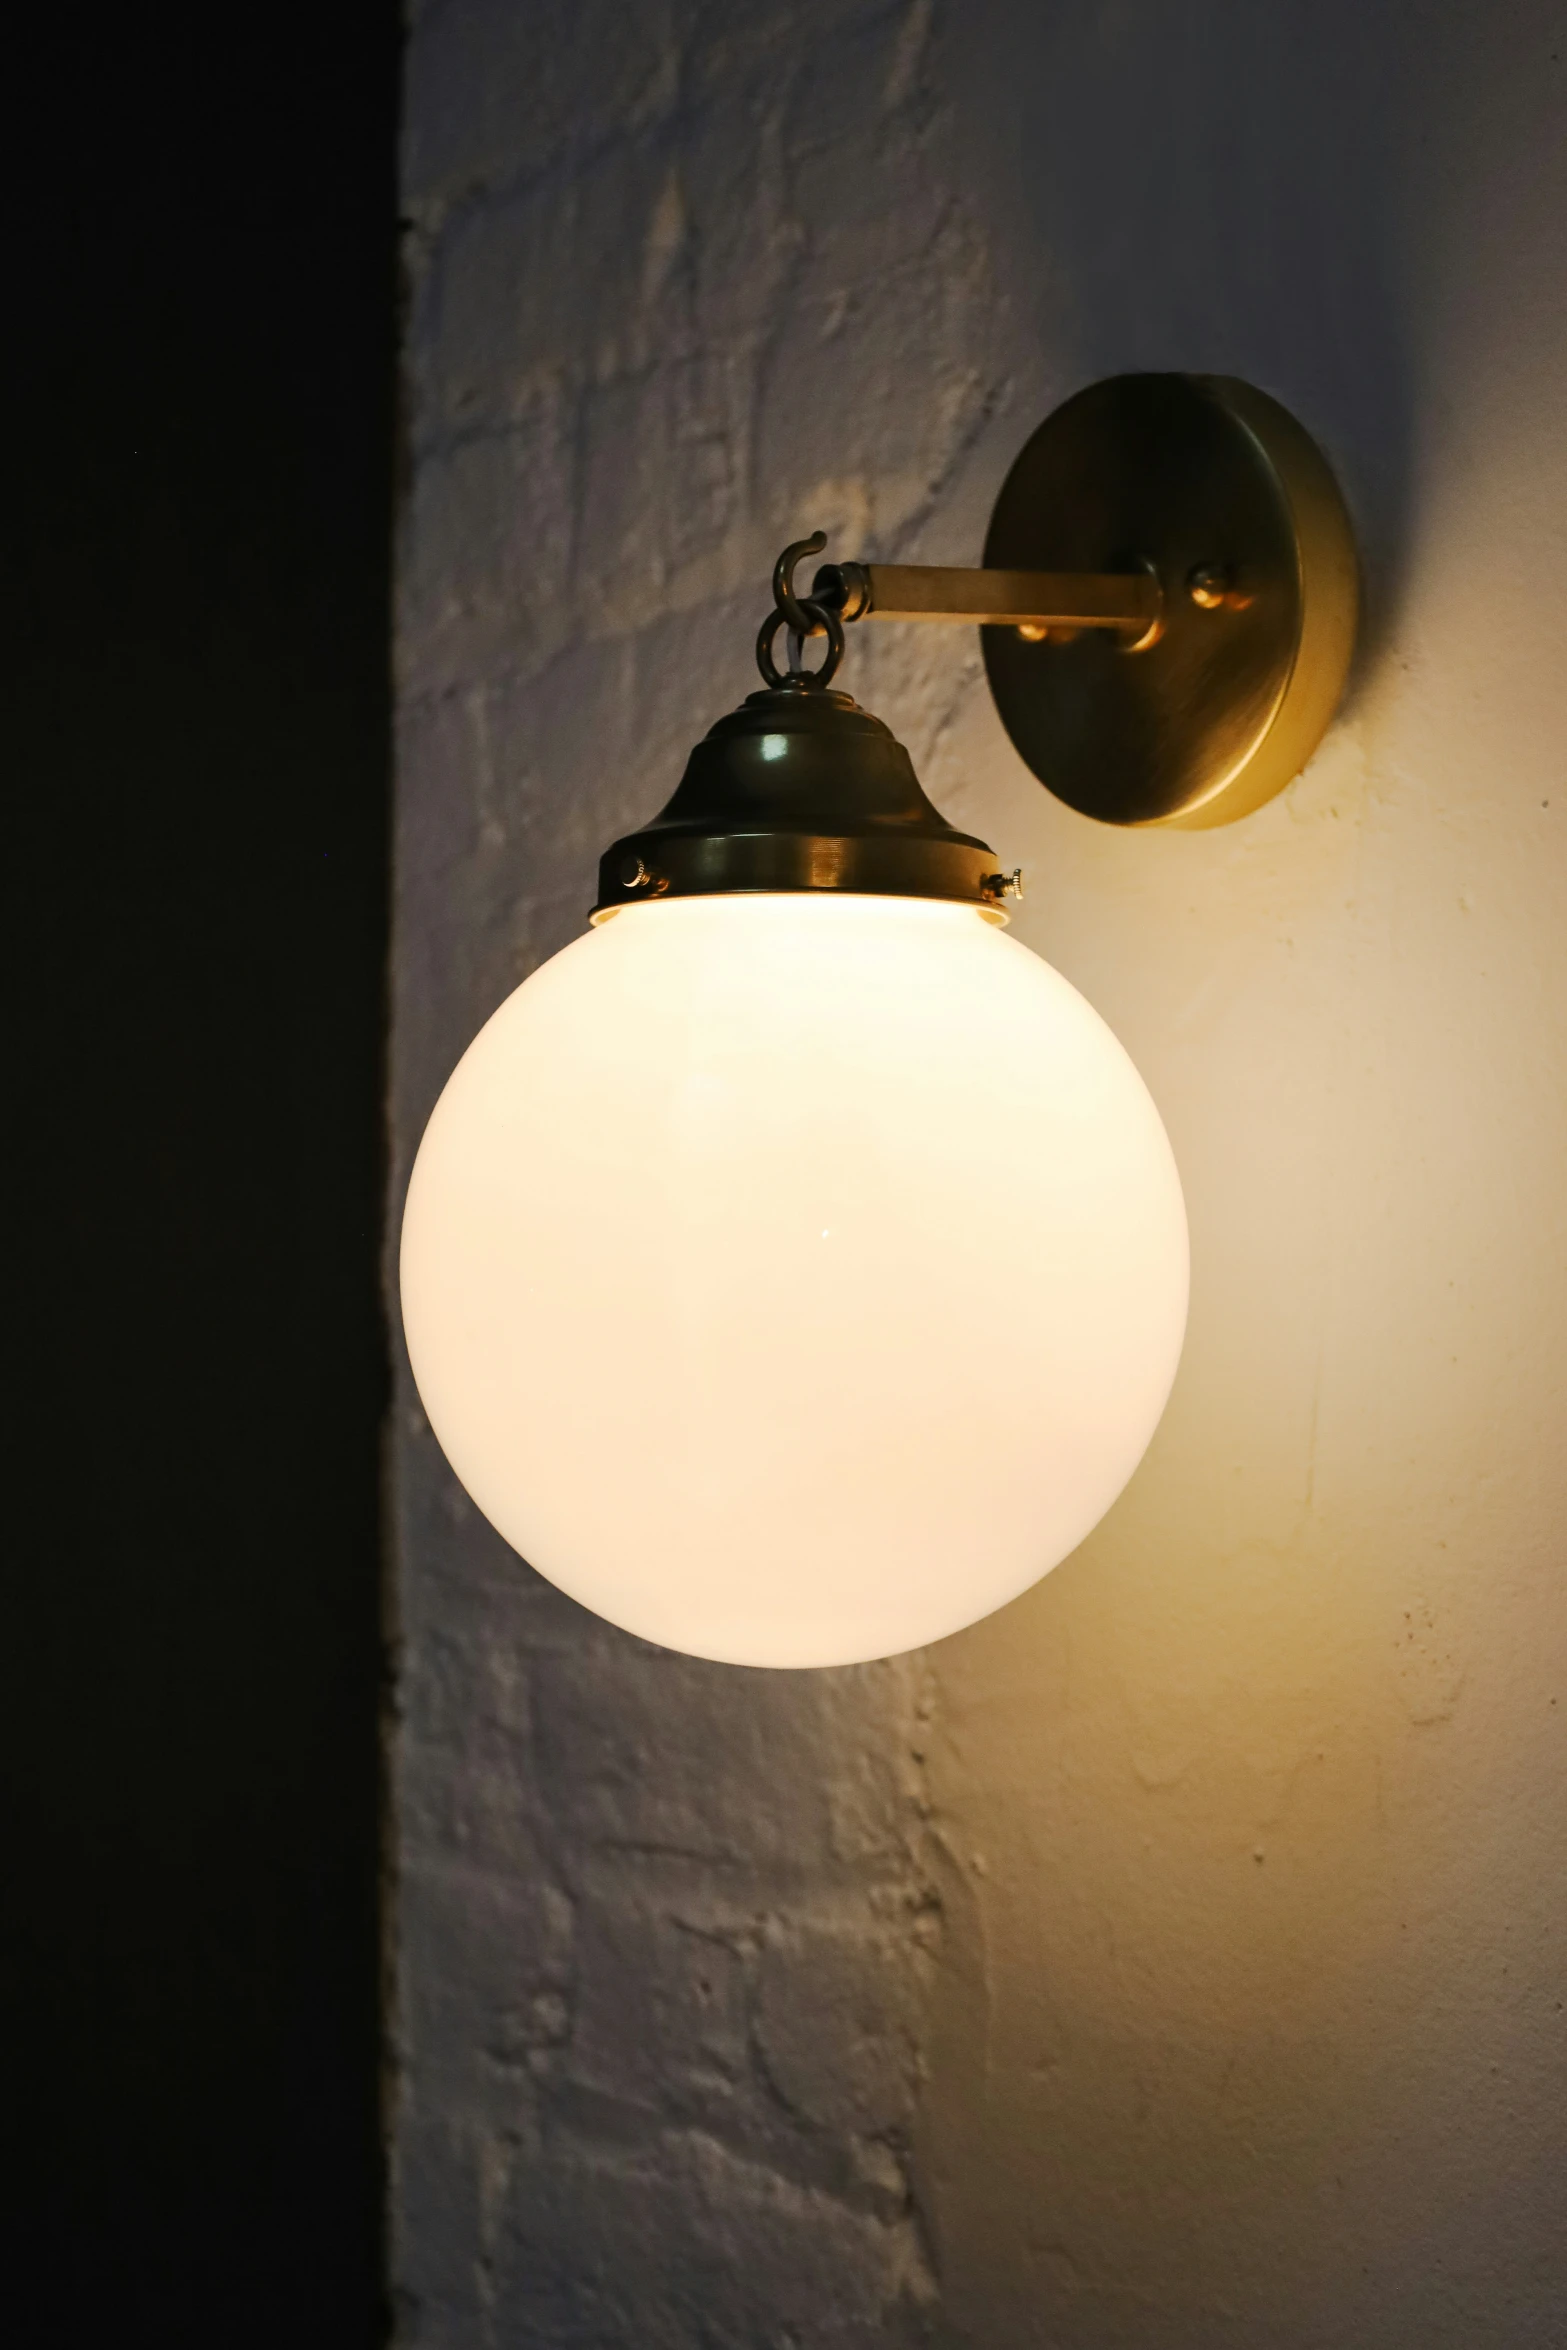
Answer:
(1174, 1961)
(665, 1927)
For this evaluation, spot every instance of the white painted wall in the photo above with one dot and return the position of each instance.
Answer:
(1176, 1961)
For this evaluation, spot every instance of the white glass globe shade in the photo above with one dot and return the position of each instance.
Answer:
(794, 1279)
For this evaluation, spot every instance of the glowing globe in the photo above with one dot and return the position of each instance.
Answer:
(794, 1279)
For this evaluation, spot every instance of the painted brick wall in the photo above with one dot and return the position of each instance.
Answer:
(665, 1927)
(1175, 1962)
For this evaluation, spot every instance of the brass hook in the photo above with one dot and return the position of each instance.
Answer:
(803, 618)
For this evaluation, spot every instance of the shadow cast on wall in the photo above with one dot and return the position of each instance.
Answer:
(1245, 1817)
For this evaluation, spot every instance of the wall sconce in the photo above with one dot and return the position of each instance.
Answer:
(794, 1269)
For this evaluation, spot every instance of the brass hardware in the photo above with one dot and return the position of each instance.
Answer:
(800, 789)
(1215, 587)
(802, 620)
(1189, 520)
(1130, 600)
(845, 586)
(1219, 489)
(1167, 609)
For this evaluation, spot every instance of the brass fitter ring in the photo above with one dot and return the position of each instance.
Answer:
(820, 620)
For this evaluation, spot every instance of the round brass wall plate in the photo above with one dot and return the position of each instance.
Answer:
(1215, 488)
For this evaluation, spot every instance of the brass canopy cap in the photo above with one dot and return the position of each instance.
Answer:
(799, 789)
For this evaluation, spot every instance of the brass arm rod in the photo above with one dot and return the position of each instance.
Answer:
(1038, 599)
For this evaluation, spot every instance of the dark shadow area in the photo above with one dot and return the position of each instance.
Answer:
(198, 404)
(1226, 189)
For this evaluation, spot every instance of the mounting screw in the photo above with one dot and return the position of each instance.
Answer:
(1004, 885)
(633, 873)
(1214, 587)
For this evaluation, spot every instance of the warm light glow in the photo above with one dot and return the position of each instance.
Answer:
(794, 1279)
